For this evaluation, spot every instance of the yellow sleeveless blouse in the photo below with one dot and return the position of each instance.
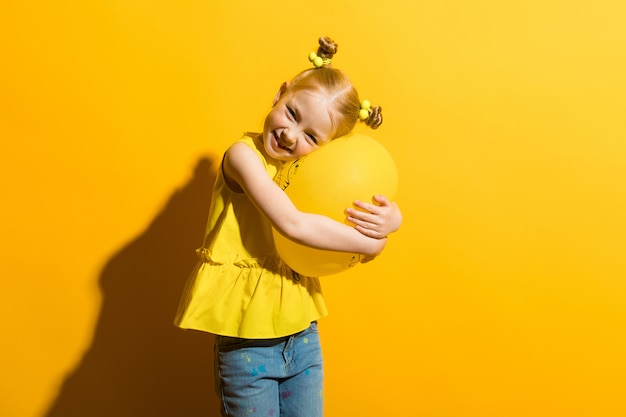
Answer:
(240, 287)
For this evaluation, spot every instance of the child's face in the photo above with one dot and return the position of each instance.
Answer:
(298, 124)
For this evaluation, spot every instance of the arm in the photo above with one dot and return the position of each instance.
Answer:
(243, 166)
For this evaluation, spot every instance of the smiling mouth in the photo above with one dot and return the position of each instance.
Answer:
(280, 144)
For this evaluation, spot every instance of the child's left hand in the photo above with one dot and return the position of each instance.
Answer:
(375, 220)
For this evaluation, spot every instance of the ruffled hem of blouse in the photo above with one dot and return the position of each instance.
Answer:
(245, 298)
(270, 264)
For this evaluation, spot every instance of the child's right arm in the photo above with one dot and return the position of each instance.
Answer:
(243, 167)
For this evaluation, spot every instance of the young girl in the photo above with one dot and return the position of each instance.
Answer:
(268, 359)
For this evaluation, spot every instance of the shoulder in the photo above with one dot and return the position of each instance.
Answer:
(249, 142)
(243, 162)
(241, 151)
(252, 144)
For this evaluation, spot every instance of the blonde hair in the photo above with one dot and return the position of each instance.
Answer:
(336, 85)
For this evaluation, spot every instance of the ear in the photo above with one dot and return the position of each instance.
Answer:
(281, 92)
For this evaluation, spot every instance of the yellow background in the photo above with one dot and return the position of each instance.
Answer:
(503, 294)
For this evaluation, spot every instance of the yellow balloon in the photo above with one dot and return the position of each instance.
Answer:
(327, 181)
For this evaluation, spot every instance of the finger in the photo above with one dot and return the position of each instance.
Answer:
(359, 214)
(368, 232)
(372, 208)
(364, 224)
(366, 259)
(381, 200)
(363, 219)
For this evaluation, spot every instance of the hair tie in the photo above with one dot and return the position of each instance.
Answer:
(364, 111)
(318, 61)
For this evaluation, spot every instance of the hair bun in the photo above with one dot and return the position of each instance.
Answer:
(327, 48)
(375, 117)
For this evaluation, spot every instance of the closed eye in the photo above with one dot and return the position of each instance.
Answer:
(312, 138)
(292, 112)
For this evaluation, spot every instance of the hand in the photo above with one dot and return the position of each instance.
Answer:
(365, 259)
(375, 220)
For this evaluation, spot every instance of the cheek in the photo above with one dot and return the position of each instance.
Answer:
(271, 117)
(306, 148)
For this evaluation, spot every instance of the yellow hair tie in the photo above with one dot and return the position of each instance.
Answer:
(364, 111)
(318, 61)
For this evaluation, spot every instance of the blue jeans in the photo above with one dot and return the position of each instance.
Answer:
(280, 377)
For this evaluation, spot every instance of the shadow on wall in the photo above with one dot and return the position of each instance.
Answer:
(139, 363)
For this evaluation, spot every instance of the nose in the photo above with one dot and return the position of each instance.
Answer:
(289, 137)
